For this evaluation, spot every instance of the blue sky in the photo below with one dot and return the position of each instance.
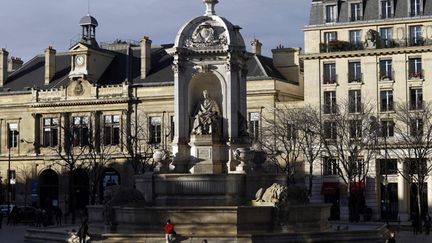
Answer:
(29, 26)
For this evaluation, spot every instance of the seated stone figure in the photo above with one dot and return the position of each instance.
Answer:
(207, 117)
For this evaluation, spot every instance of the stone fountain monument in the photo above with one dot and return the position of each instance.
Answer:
(207, 189)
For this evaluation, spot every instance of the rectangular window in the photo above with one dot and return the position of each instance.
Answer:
(415, 36)
(417, 166)
(356, 11)
(330, 102)
(50, 132)
(355, 127)
(330, 167)
(416, 98)
(388, 166)
(355, 38)
(415, 70)
(13, 135)
(80, 131)
(155, 130)
(112, 130)
(416, 128)
(354, 101)
(387, 128)
(291, 132)
(386, 9)
(386, 100)
(330, 73)
(254, 119)
(415, 8)
(330, 36)
(386, 35)
(330, 131)
(386, 70)
(354, 72)
(330, 13)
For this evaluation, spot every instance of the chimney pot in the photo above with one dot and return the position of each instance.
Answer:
(145, 56)
(50, 65)
(14, 63)
(3, 66)
(256, 47)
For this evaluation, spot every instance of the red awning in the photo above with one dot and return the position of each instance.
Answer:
(329, 188)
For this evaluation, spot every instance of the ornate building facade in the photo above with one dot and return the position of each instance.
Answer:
(377, 51)
(115, 100)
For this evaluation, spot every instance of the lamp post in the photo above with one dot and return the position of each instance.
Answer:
(9, 180)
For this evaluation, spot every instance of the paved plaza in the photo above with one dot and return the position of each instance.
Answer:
(15, 234)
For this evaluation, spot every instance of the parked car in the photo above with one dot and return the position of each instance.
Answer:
(4, 209)
(26, 214)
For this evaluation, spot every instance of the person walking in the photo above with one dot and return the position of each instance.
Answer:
(83, 232)
(391, 238)
(169, 231)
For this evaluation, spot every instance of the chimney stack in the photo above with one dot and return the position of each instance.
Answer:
(287, 61)
(14, 63)
(3, 66)
(50, 64)
(256, 47)
(145, 56)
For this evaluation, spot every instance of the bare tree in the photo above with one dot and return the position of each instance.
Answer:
(25, 176)
(281, 142)
(308, 124)
(349, 137)
(138, 145)
(97, 157)
(413, 147)
(71, 152)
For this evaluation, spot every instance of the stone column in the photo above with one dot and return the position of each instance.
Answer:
(181, 149)
(403, 194)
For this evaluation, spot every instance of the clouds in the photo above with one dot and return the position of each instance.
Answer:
(28, 27)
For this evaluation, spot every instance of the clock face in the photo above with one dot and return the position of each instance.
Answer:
(79, 60)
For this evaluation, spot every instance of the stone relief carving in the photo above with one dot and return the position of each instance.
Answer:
(205, 36)
(206, 120)
(275, 194)
(371, 38)
(79, 88)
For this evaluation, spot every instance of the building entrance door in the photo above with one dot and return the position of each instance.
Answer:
(389, 202)
(48, 189)
(81, 188)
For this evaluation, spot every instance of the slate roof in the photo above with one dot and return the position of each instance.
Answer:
(123, 68)
(371, 10)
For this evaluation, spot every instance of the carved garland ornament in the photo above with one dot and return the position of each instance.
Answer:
(204, 36)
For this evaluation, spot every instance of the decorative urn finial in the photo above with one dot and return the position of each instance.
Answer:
(210, 5)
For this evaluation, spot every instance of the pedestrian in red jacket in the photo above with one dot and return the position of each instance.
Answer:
(169, 232)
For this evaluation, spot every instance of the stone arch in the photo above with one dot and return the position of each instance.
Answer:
(48, 189)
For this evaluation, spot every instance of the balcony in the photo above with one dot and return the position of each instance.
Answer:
(387, 43)
(337, 46)
(416, 75)
(356, 18)
(419, 41)
(355, 78)
(330, 79)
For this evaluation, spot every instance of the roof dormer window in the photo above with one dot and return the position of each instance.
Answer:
(415, 8)
(331, 13)
(356, 11)
(386, 9)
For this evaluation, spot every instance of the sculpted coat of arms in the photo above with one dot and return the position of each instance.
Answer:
(205, 36)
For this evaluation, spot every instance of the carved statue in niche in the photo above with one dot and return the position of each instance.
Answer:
(206, 120)
(371, 38)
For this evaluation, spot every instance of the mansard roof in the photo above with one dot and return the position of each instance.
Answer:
(123, 68)
(371, 10)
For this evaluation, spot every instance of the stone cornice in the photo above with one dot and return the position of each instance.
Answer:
(363, 53)
(81, 103)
